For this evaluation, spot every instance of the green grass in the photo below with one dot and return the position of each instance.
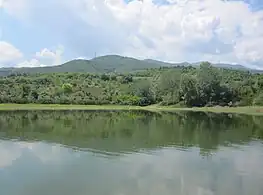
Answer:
(251, 110)
(65, 107)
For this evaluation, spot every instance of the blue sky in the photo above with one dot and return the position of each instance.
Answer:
(42, 33)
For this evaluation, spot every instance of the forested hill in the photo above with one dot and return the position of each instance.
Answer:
(107, 64)
(103, 64)
(203, 85)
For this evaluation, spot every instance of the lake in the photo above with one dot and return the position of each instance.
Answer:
(130, 153)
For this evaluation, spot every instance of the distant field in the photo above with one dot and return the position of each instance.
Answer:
(238, 110)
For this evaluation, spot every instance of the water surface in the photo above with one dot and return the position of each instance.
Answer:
(128, 153)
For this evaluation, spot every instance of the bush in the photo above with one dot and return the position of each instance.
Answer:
(113, 77)
(105, 77)
(170, 99)
(128, 100)
(67, 88)
(258, 101)
(126, 79)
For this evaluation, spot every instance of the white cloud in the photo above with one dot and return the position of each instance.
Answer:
(52, 57)
(30, 63)
(16, 8)
(11, 56)
(249, 50)
(184, 30)
(45, 57)
(190, 30)
(9, 53)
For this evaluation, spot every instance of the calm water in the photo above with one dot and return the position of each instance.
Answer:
(131, 153)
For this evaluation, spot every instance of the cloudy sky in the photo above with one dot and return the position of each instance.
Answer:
(50, 32)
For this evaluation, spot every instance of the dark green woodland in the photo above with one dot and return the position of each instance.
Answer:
(132, 82)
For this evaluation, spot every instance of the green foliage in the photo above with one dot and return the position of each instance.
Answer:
(258, 101)
(126, 79)
(105, 77)
(143, 89)
(190, 86)
(67, 87)
(128, 100)
(170, 99)
(189, 91)
(25, 90)
(113, 77)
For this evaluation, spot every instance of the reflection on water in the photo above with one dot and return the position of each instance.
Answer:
(116, 153)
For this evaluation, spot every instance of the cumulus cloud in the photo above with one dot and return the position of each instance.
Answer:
(250, 50)
(9, 53)
(45, 57)
(51, 57)
(11, 56)
(171, 30)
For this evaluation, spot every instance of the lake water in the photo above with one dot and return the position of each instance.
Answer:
(130, 153)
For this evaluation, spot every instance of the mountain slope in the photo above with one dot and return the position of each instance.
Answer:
(103, 64)
(109, 63)
(162, 64)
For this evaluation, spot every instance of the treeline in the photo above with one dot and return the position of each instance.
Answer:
(184, 86)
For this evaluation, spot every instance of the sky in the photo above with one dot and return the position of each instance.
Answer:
(37, 33)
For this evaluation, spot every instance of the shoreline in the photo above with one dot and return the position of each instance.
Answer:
(249, 110)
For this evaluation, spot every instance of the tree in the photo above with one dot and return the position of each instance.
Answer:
(188, 90)
(105, 77)
(143, 90)
(67, 88)
(258, 101)
(113, 77)
(168, 87)
(25, 90)
(126, 79)
(208, 79)
(34, 95)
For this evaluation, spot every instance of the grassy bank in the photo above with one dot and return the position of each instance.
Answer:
(239, 110)
(65, 107)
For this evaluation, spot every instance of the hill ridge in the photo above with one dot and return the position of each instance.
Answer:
(111, 63)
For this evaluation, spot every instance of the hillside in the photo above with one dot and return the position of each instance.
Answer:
(109, 63)
(103, 64)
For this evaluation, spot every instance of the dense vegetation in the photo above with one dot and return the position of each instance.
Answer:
(184, 86)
